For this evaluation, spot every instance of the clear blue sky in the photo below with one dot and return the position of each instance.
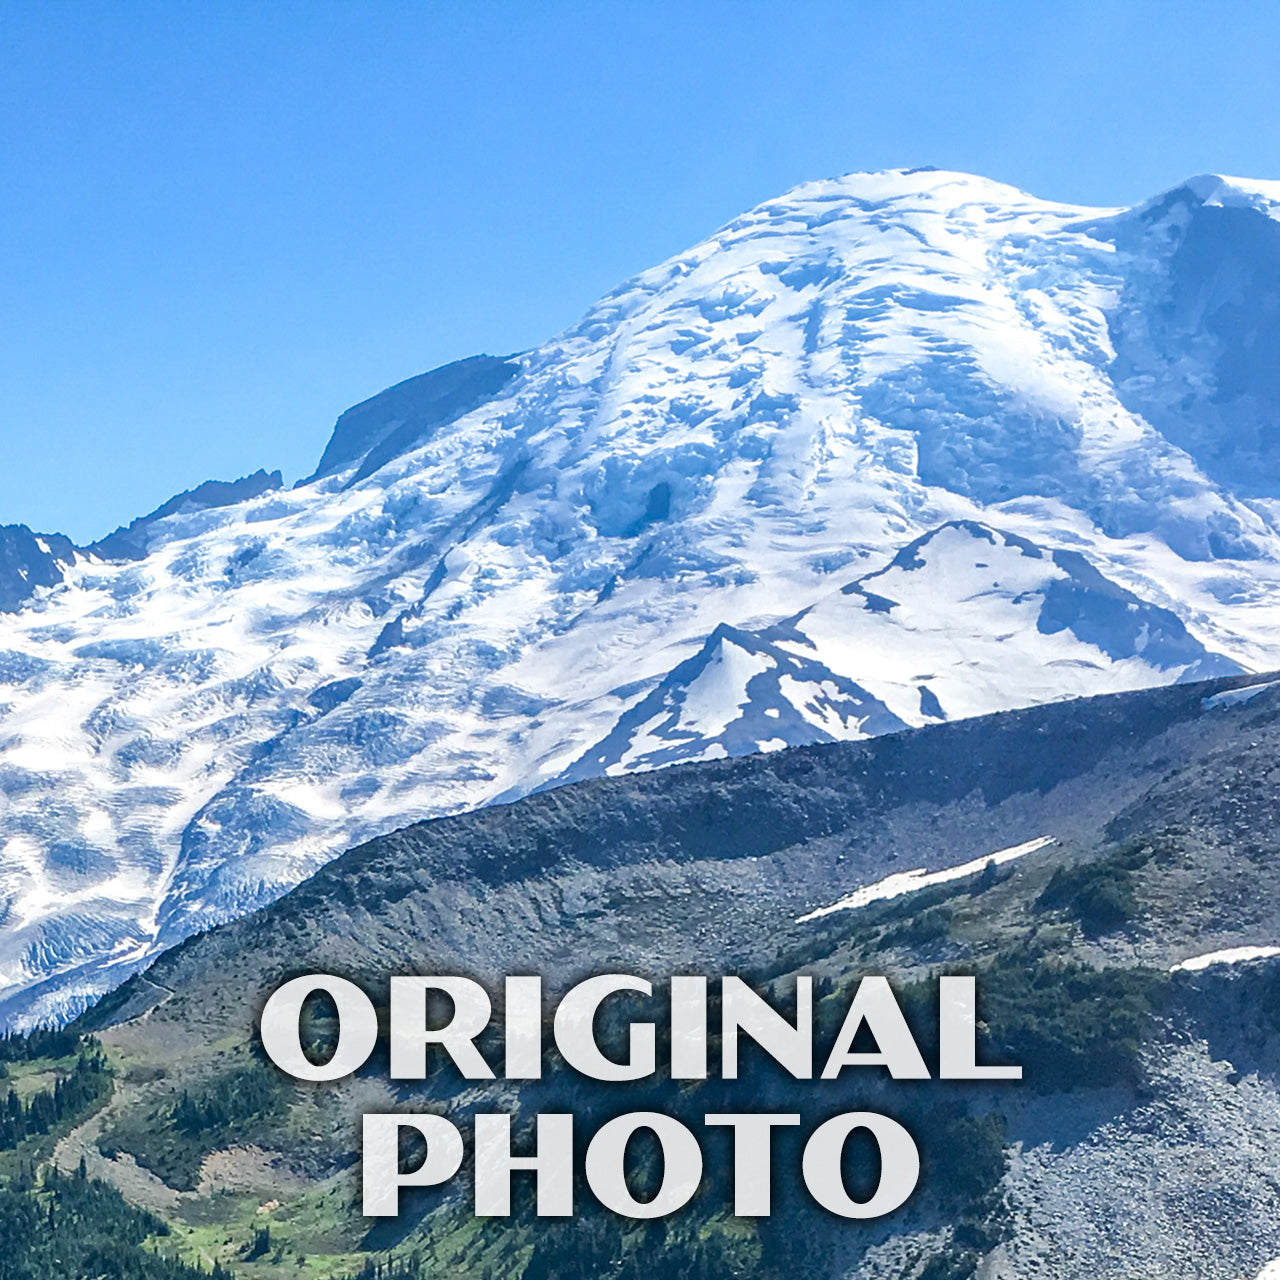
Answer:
(223, 223)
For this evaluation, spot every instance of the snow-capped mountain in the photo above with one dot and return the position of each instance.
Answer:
(29, 561)
(956, 619)
(893, 448)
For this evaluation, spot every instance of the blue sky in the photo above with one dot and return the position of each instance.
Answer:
(224, 223)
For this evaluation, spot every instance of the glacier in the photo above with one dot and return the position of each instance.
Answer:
(890, 449)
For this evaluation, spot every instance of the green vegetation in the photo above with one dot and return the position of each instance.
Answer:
(965, 1156)
(955, 1262)
(87, 1083)
(928, 925)
(246, 1095)
(1101, 896)
(55, 1225)
(596, 1245)
(247, 1103)
(71, 1227)
(1070, 1025)
(43, 1042)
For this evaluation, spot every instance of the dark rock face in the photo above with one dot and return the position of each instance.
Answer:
(131, 542)
(1204, 366)
(766, 715)
(30, 560)
(1086, 603)
(377, 430)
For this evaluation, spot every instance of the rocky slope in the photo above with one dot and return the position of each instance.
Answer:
(1122, 910)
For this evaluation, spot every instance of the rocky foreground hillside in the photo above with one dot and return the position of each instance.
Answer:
(1121, 911)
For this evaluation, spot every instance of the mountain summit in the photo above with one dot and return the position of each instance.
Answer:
(890, 449)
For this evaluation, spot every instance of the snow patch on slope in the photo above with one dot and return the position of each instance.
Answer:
(902, 882)
(1231, 955)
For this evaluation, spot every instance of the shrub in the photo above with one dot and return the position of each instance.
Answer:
(1100, 895)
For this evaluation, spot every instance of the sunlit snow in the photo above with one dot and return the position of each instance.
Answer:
(1231, 955)
(918, 878)
(889, 449)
